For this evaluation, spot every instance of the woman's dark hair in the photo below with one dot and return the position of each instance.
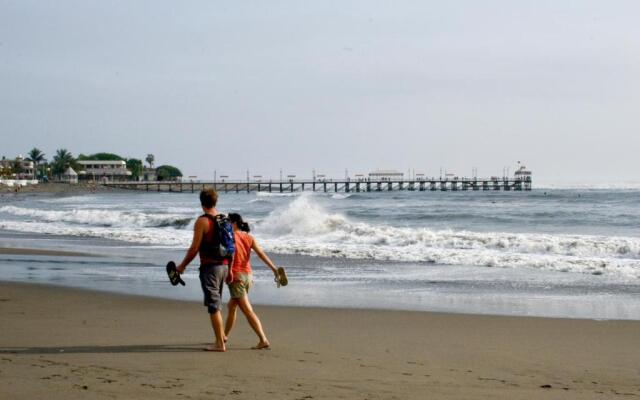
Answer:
(237, 219)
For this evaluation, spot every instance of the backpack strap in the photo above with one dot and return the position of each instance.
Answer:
(213, 218)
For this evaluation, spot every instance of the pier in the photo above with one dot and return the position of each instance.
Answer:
(334, 186)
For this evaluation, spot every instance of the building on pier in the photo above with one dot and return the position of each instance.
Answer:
(522, 174)
(386, 175)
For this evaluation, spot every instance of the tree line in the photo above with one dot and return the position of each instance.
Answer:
(63, 159)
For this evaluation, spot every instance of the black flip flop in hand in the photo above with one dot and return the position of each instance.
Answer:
(174, 275)
(281, 277)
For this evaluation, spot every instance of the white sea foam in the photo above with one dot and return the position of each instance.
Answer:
(303, 227)
(162, 237)
(101, 217)
(278, 194)
(259, 200)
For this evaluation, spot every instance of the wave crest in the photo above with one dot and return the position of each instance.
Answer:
(303, 227)
(105, 218)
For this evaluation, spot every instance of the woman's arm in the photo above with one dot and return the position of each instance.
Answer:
(256, 247)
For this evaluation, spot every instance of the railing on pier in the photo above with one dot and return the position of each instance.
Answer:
(344, 186)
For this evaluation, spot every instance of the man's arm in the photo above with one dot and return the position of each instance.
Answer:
(198, 232)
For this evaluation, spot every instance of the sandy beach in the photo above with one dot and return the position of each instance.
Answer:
(451, 189)
(59, 343)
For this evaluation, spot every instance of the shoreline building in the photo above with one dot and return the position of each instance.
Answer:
(26, 167)
(149, 175)
(70, 176)
(105, 171)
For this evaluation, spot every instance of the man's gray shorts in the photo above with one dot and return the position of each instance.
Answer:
(212, 281)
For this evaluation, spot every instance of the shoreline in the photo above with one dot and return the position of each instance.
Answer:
(81, 343)
(22, 251)
(59, 189)
(107, 292)
(63, 267)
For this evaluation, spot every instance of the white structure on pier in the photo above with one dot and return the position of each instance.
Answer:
(386, 175)
(522, 173)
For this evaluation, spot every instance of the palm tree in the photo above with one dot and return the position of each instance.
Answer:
(36, 156)
(150, 159)
(62, 160)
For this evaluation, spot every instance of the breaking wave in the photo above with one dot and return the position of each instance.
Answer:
(156, 236)
(278, 194)
(340, 196)
(303, 227)
(106, 218)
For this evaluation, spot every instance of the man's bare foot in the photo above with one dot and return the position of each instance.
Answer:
(215, 347)
(225, 339)
(262, 345)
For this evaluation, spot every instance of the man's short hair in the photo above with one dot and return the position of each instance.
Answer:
(208, 198)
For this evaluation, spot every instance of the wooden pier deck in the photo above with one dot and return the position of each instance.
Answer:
(336, 186)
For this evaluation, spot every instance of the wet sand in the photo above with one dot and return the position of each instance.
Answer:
(43, 252)
(60, 343)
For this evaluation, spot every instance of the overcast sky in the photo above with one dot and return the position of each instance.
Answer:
(298, 85)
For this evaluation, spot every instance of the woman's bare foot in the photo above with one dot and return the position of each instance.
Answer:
(215, 347)
(262, 345)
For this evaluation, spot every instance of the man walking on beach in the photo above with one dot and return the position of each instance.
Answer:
(213, 268)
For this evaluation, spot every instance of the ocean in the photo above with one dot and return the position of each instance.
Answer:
(550, 252)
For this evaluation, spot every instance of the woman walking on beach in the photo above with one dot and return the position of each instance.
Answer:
(242, 280)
